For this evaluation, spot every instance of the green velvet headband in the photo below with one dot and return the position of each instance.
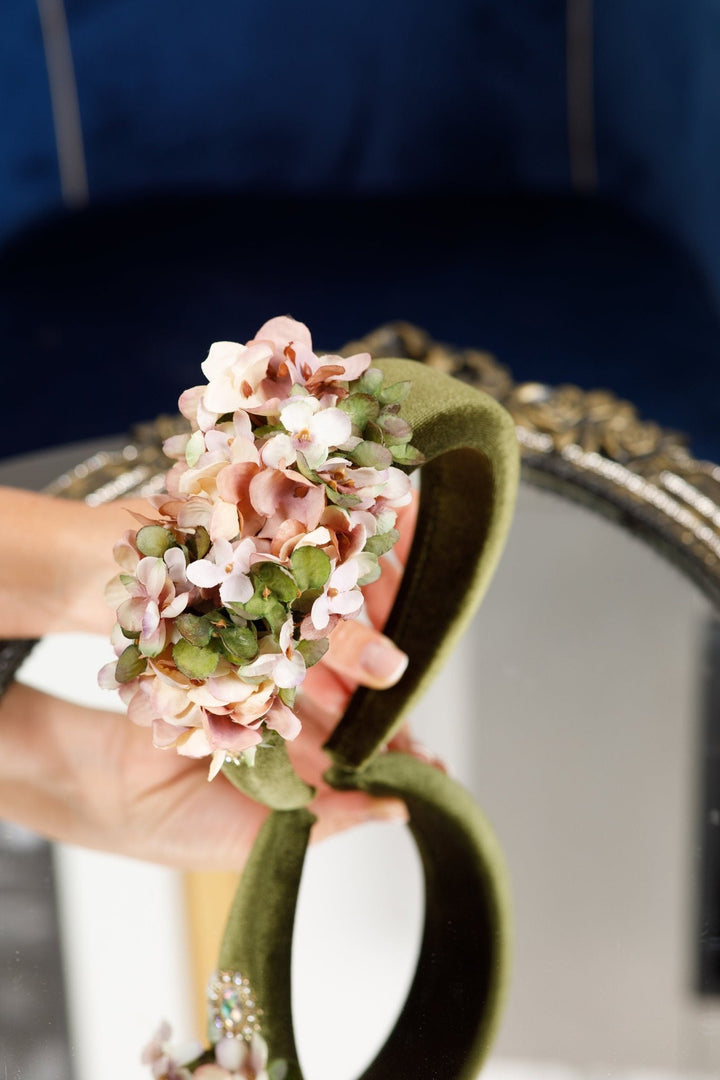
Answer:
(446, 1027)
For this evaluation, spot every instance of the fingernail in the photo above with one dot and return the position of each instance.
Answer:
(382, 661)
(388, 810)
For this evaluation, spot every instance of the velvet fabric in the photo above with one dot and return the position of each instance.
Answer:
(446, 1026)
(448, 1021)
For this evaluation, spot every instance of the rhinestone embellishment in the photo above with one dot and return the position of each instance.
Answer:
(233, 1012)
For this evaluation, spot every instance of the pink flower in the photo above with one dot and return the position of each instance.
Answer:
(167, 1060)
(312, 432)
(154, 599)
(340, 596)
(228, 567)
(282, 494)
(237, 1060)
(282, 663)
(291, 343)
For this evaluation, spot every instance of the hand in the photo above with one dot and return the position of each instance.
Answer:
(90, 777)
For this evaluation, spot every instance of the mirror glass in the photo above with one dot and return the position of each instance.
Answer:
(577, 710)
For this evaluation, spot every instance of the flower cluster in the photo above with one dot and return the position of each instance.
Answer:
(230, 1059)
(282, 498)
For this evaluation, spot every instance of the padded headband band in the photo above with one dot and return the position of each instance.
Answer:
(445, 1029)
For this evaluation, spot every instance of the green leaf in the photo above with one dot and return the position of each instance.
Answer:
(394, 394)
(130, 664)
(270, 576)
(360, 408)
(133, 635)
(272, 779)
(305, 601)
(395, 429)
(382, 542)
(268, 429)
(287, 695)
(371, 455)
(154, 540)
(373, 569)
(197, 629)
(370, 382)
(373, 433)
(196, 663)
(195, 448)
(312, 651)
(406, 454)
(338, 498)
(310, 566)
(239, 643)
(199, 543)
(304, 469)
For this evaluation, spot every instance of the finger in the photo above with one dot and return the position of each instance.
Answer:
(359, 654)
(337, 811)
(404, 742)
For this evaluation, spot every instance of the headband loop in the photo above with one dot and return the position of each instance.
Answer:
(467, 495)
(449, 1018)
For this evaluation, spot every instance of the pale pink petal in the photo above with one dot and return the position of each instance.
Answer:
(258, 1053)
(205, 574)
(176, 606)
(139, 709)
(194, 511)
(332, 427)
(130, 614)
(106, 676)
(298, 415)
(236, 589)
(152, 644)
(278, 452)
(224, 734)
(345, 576)
(194, 744)
(282, 330)
(224, 523)
(174, 447)
(289, 671)
(221, 356)
(354, 365)
(212, 1072)
(165, 735)
(347, 603)
(152, 575)
(150, 619)
(320, 612)
(231, 1053)
(283, 720)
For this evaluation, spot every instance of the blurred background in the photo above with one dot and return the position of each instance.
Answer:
(539, 180)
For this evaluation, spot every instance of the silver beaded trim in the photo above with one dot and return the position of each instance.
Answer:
(233, 1012)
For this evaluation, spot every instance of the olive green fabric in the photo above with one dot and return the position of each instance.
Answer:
(467, 496)
(444, 1031)
(449, 1018)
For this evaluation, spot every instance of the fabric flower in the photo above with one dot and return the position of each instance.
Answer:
(153, 600)
(166, 1060)
(312, 432)
(238, 1060)
(340, 596)
(282, 663)
(227, 567)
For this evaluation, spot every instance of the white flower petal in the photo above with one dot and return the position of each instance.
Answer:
(278, 452)
(204, 574)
